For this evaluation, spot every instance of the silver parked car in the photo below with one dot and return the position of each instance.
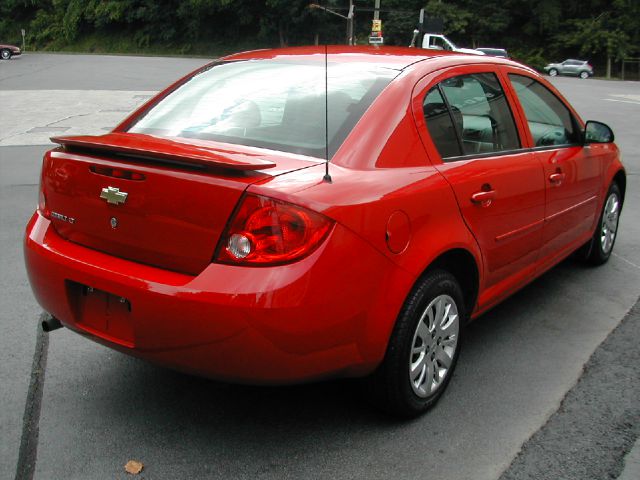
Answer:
(579, 68)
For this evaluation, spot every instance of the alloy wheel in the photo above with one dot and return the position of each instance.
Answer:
(434, 345)
(609, 226)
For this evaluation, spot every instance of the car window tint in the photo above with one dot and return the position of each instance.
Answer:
(479, 102)
(274, 104)
(550, 121)
(440, 125)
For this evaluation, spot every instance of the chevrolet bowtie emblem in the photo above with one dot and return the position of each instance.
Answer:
(113, 195)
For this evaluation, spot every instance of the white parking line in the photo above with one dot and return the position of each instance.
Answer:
(621, 101)
(625, 260)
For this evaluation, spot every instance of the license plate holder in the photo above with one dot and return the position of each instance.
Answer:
(104, 314)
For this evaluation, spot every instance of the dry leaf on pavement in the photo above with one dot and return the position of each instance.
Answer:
(133, 467)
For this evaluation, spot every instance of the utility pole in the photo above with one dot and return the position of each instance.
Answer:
(350, 24)
(348, 18)
(376, 26)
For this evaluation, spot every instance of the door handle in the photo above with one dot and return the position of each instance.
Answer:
(483, 198)
(557, 178)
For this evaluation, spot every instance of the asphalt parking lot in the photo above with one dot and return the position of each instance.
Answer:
(554, 369)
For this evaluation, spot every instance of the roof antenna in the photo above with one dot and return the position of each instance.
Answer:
(327, 177)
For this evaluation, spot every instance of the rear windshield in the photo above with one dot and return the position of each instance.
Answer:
(272, 104)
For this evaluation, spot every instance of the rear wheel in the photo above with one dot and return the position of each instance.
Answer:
(584, 75)
(423, 349)
(606, 233)
(5, 54)
(553, 72)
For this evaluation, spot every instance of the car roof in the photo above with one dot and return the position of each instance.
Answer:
(391, 57)
(397, 58)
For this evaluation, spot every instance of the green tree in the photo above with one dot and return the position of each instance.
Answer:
(533, 31)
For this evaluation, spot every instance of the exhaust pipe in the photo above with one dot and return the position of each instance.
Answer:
(50, 324)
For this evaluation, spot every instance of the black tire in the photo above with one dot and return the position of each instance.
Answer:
(553, 72)
(391, 387)
(5, 54)
(603, 241)
(584, 75)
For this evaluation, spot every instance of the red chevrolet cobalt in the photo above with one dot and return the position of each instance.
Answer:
(291, 215)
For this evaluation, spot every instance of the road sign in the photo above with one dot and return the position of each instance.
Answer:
(376, 26)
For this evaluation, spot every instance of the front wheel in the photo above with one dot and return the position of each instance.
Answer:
(607, 230)
(423, 348)
(553, 72)
(5, 54)
(584, 75)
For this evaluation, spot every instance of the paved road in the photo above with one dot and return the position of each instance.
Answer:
(100, 408)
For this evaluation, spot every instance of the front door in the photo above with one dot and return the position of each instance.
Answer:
(572, 175)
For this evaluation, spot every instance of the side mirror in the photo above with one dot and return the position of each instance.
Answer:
(597, 132)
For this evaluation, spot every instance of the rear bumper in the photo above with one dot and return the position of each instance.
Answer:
(324, 316)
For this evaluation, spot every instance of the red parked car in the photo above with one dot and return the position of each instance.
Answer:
(207, 233)
(8, 51)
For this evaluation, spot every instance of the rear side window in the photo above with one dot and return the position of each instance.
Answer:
(440, 124)
(550, 121)
(479, 118)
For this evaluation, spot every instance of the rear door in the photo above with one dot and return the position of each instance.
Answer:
(571, 67)
(471, 135)
(565, 67)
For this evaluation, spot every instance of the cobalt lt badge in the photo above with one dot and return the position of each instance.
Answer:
(113, 195)
(114, 222)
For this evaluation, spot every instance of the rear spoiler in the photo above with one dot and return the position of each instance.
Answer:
(182, 150)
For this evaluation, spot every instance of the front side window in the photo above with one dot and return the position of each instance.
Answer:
(281, 105)
(550, 121)
(479, 117)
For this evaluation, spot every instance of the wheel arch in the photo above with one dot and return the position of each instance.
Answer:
(463, 266)
(621, 179)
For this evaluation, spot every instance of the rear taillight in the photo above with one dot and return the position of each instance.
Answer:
(42, 198)
(264, 231)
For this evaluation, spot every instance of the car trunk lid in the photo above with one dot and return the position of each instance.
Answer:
(157, 201)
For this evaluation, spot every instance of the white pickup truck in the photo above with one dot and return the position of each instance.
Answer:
(440, 42)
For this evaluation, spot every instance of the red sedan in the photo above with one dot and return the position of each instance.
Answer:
(289, 215)
(8, 51)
